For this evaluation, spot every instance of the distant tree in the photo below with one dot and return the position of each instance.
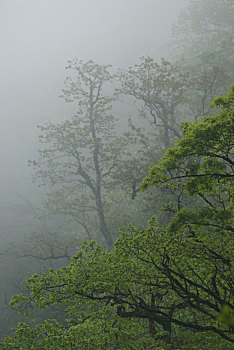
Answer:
(80, 154)
(160, 90)
(204, 31)
(206, 82)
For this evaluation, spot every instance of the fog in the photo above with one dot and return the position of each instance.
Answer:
(90, 168)
(38, 38)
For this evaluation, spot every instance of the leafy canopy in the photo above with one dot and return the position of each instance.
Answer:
(159, 285)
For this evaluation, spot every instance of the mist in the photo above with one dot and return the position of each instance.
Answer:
(39, 37)
(37, 40)
(81, 176)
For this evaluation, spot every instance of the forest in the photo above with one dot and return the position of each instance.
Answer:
(130, 242)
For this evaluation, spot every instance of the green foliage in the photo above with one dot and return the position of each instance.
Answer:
(160, 287)
(203, 156)
(163, 287)
(226, 316)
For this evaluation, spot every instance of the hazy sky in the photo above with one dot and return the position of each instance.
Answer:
(38, 37)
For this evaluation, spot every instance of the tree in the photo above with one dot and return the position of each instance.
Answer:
(206, 83)
(167, 282)
(160, 88)
(204, 31)
(81, 153)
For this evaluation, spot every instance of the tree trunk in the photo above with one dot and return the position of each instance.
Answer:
(102, 222)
